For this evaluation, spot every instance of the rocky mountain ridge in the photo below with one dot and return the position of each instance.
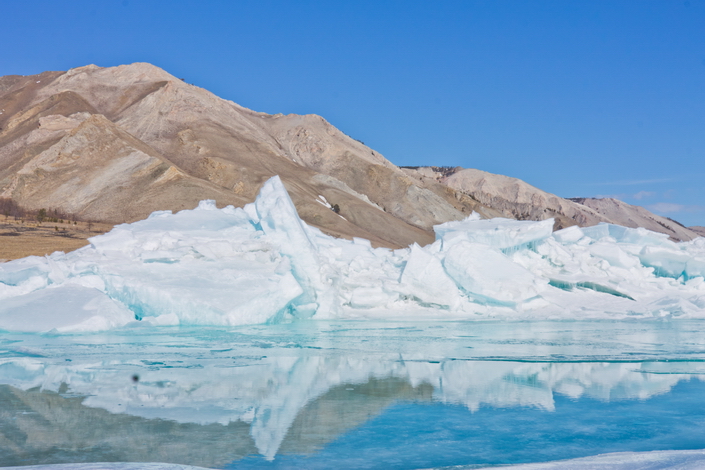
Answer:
(114, 144)
(517, 199)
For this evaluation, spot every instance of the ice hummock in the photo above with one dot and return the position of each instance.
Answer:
(263, 264)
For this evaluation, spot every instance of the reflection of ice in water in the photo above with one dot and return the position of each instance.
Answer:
(268, 379)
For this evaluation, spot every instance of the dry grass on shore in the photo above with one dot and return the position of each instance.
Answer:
(20, 238)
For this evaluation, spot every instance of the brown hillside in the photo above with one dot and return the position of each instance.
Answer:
(114, 144)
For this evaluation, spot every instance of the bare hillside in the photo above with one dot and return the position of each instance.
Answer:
(635, 216)
(517, 199)
(114, 144)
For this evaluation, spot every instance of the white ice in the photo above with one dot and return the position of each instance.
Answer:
(658, 460)
(263, 264)
(111, 466)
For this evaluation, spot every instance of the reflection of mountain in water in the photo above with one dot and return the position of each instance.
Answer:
(214, 415)
(40, 427)
(345, 407)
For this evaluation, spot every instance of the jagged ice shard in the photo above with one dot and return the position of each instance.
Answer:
(263, 264)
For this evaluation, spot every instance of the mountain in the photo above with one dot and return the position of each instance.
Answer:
(517, 199)
(514, 198)
(114, 144)
(634, 216)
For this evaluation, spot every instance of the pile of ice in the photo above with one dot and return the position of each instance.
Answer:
(262, 263)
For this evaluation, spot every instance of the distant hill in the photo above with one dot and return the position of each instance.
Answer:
(634, 216)
(114, 144)
(517, 199)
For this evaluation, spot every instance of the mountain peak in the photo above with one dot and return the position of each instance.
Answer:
(146, 123)
(129, 126)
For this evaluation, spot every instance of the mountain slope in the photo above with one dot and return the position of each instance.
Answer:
(114, 144)
(517, 199)
(635, 216)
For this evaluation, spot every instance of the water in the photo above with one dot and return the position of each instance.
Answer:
(387, 395)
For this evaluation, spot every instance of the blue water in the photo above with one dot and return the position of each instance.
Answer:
(381, 395)
(413, 435)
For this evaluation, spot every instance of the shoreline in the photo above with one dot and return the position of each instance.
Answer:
(19, 239)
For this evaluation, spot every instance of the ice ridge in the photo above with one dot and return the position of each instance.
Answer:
(262, 263)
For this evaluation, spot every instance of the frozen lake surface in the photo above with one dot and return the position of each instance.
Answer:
(243, 338)
(356, 394)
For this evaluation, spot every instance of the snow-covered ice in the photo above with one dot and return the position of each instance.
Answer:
(263, 264)
(111, 466)
(658, 460)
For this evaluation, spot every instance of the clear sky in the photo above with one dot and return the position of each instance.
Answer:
(579, 98)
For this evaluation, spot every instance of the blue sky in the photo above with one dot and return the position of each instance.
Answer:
(579, 98)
